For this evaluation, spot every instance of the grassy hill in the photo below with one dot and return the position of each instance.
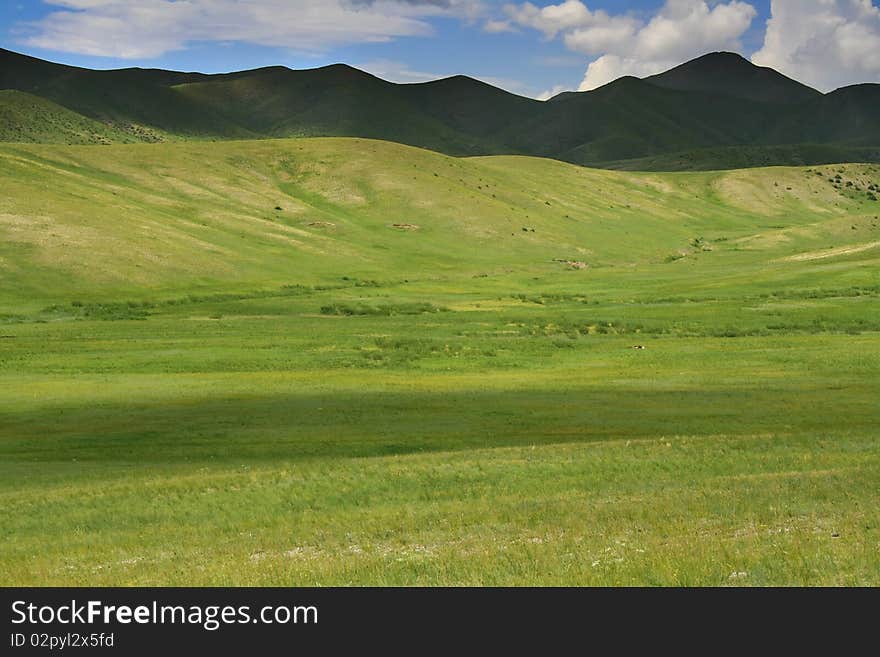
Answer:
(742, 157)
(138, 102)
(31, 119)
(264, 212)
(719, 103)
(345, 361)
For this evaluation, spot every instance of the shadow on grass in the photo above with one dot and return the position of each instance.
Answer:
(295, 426)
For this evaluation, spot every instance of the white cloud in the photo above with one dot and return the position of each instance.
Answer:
(550, 20)
(603, 36)
(550, 93)
(625, 44)
(682, 30)
(824, 43)
(150, 28)
(611, 67)
(496, 26)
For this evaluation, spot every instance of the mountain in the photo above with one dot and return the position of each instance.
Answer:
(139, 102)
(850, 115)
(632, 118)
(447, 115)
(729, 74)
(716, 111)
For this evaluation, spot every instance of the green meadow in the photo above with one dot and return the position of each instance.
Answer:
(351, 362)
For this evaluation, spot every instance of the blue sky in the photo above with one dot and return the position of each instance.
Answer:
(534, 49)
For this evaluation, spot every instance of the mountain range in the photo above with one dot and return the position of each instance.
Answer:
(718, 111)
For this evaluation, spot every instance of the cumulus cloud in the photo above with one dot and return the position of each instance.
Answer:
(550, 20)
(496, 26)
(550, 93)
(824, 43)
(149, 28)
(626, 44)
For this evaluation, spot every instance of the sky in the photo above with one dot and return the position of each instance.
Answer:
(535, 49)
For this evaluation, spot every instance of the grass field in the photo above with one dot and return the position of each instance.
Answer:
(340, 361)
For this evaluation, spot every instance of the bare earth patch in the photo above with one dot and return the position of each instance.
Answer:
(832, 253)
(574, 264)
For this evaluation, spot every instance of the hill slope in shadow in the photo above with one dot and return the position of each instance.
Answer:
(719, 103)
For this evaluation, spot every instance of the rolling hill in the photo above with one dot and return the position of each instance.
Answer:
(342, 361)
(719, 102)
(80, 222)
(308, 328)
(31, 119)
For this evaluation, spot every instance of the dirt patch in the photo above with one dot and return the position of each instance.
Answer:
(574, 264)
(832, 253)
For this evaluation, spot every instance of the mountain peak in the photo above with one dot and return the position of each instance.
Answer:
(731, 74)
(722, 57)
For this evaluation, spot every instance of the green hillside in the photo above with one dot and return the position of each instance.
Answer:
(31, 119)
(332, 101)
(744, 157)
(260, 213)
(719, 104)
(124, 99)
(342, 361)
(137, 102)
(631, 118)
(472, 107)
(848, 116)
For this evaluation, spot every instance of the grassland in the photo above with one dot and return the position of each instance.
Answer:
(335, 361)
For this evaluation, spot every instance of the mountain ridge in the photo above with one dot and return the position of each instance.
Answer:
(718, 101)
(731, 74)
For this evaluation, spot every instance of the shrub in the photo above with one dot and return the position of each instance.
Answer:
(384, 310)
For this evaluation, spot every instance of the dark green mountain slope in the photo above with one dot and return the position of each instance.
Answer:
(332, 101)
(138, 102)
(472, 107)
(714, 112)
(126, 100)
(730, 74)
(24, 73)
(631, 118)
(850, 115)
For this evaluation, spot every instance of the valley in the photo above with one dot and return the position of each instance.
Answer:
(335, 361)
